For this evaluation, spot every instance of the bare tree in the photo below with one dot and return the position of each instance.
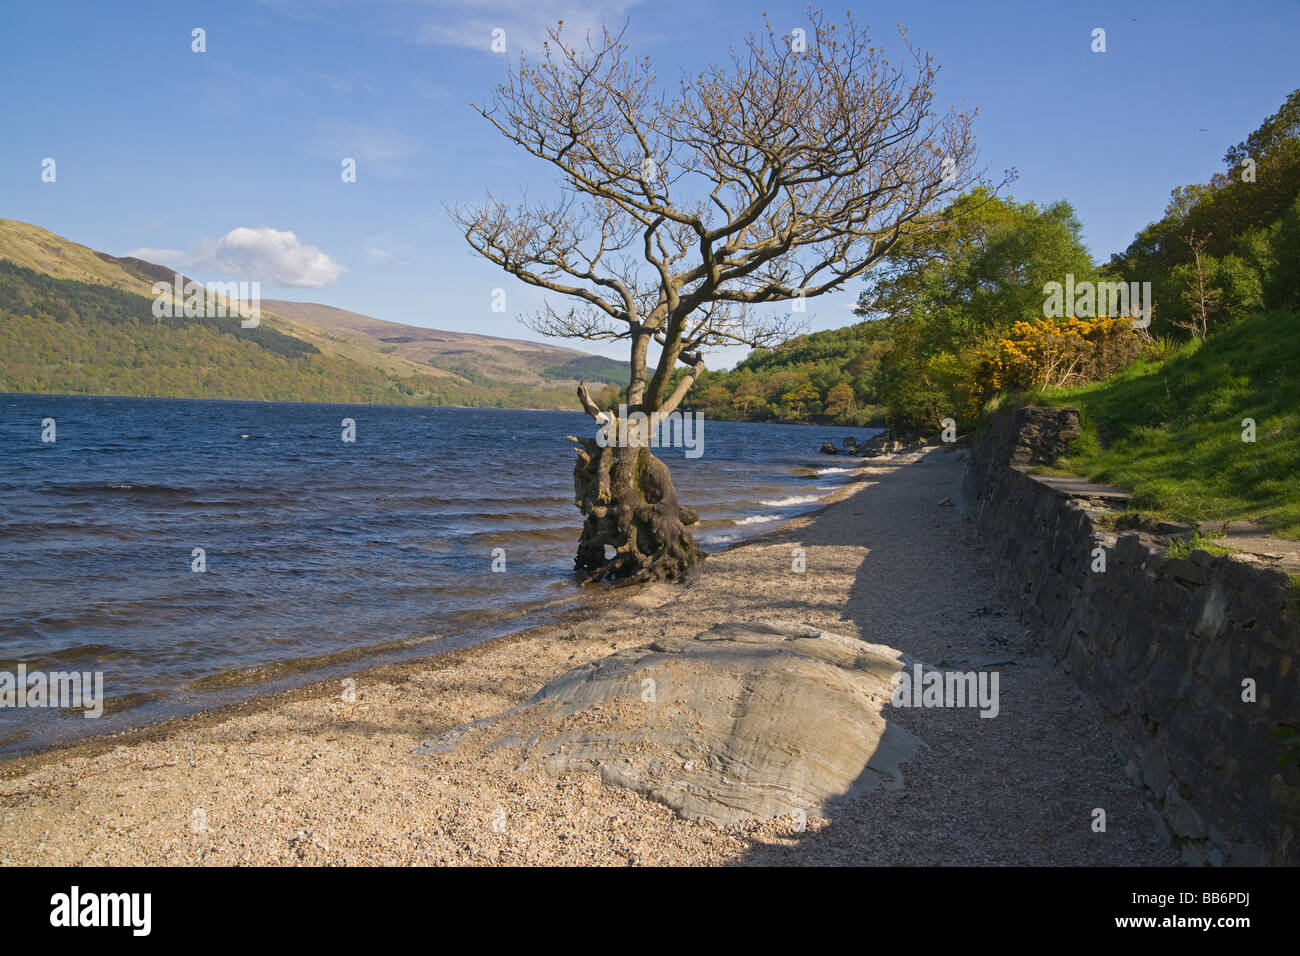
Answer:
(781, 175)
(1202, 299)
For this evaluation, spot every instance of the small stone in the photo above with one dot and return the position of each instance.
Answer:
(1192, 855)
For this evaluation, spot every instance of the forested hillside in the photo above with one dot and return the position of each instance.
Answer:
(79, 321)
(824, 376)
(64, 336)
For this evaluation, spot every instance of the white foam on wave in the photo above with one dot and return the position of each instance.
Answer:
(758, 519)
(791, 501)
(833, 471)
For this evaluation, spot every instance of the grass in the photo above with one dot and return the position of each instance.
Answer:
(35, 248)
(1183, 548)
(1170, 432)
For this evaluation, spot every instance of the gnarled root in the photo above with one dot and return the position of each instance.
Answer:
(631, 506)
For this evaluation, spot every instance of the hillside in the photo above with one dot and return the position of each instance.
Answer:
(343, 356)
(1171, 432)
(824, 376)
(481, 359)
(68, 337)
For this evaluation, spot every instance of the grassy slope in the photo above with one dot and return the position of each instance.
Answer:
(94, 358)
(1171, 432)
(64, 336)
(35, 248)
(63, 357)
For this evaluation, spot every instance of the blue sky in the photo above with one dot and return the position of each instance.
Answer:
(159, 148)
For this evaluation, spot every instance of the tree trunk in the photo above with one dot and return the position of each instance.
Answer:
(631, 507)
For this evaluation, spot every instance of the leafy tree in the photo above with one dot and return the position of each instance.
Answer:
(947, 297)
(797, 402)
(1248, 216)
(839, 400)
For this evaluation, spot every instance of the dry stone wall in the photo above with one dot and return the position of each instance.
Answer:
(1168, 648)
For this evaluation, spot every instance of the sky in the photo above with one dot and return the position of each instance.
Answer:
(227, 163)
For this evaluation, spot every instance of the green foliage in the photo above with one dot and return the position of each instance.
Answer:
(1183, 548)
(27, 293)
(825, 377)
(1171, 431)
(591, 368)
(68, 337)
(1249, 218)
(946, 299)
(1289, 737)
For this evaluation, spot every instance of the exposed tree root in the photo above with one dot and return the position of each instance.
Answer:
(631, 507)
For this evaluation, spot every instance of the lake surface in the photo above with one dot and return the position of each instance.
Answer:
(313, 547)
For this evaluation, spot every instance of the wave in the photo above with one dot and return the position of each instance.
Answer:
(791, 501)
(514, 505)
(833, 471)
(80, 654)
(758, 519)
(505, 536)
(718, 539)
(121, 488)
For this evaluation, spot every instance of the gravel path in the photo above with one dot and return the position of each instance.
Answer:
(306, 777)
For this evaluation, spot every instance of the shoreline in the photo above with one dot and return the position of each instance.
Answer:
(303, 777)
(259, 695)
(296, 612)
(472, 408)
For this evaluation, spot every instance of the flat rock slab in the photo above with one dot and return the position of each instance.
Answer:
(745, 721)
(1251, 538)
(1073, 487)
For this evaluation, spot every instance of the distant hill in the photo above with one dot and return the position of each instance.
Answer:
(70, 337)
(479, 359)
(92, 335)
(823, 377)
(591, 368)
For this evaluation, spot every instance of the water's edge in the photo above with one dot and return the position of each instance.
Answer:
(318, 677)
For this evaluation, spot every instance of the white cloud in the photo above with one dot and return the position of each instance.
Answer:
(253, 255)
(272, 256)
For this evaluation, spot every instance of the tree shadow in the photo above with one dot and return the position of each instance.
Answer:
(1019, 788)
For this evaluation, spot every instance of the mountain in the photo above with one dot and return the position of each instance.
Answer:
(301, 351)
(481, 359)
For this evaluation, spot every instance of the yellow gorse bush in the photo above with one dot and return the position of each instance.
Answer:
(1049, 353)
